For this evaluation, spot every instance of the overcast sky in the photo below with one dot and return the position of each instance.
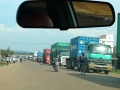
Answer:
(37, 39)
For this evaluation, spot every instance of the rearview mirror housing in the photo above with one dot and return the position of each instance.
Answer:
(65, 14)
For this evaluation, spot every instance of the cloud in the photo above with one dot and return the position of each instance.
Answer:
(31, 36)
(92, 32)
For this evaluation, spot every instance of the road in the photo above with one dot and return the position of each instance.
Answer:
(37, 76)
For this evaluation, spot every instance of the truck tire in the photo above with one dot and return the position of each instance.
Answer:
(66, 66)
(87, 70)
(71, 67)
(78, 68)
(96, 71)
(106, 72)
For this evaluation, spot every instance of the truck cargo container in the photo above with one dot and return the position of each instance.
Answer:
(46, 56)
(99, 56)
(62, 49)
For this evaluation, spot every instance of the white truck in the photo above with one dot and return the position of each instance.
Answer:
(35, 56)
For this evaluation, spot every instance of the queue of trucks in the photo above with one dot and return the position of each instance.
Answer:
(99, 56)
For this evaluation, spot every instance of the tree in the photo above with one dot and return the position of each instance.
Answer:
(5, 53)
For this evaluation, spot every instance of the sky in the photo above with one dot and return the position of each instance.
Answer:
(11, 34)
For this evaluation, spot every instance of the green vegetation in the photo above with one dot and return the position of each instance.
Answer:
(5, 53)
(117, 71)
(2, 63)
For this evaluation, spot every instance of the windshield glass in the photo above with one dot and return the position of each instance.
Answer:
(64, 48)
(40, 73)
(47, 54)
(66, 53)
(100, 49)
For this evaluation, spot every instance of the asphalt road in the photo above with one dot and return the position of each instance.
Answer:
(37, 76)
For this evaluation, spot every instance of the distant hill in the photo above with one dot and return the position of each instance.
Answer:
(15, 51)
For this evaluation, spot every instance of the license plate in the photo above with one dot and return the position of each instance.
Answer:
(100, 66)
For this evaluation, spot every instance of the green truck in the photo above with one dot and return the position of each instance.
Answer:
(61, 49)
(99, 56)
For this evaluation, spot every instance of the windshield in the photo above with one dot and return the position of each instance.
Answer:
(40, 74)
(64, 48)
(66, 53)
(100, 49)
(47, 54)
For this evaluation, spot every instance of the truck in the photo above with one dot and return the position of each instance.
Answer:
(46, 56)
(35, 56)
(118, 41)
(99, 56)
(62, 50)
(39, 56)
(30, 57)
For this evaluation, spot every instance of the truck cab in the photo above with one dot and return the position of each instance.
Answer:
(62, 50)
(63, 54)
(99, 57)
(46, 56)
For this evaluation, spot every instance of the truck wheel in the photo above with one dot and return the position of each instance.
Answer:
(78, 68)
(106, 72)
(66, 66)
(96, 71)
(87, 70)
(71, 67)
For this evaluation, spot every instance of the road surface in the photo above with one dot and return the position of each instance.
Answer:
(35, 76)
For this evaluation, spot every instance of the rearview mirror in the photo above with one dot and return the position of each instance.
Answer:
(65, 14)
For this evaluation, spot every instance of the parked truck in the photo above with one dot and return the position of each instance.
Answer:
(30, 57)
(39, 56)
(99, 56)
(35, 56)
(46, 56)
(62, 50)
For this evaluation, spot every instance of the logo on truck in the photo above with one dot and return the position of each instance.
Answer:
(81, 42)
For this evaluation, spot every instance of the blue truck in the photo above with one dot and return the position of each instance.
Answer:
(99, 56)
(39, 56)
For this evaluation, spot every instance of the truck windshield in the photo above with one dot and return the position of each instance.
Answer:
(100, 49)
(47, 54)
(65, 53)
